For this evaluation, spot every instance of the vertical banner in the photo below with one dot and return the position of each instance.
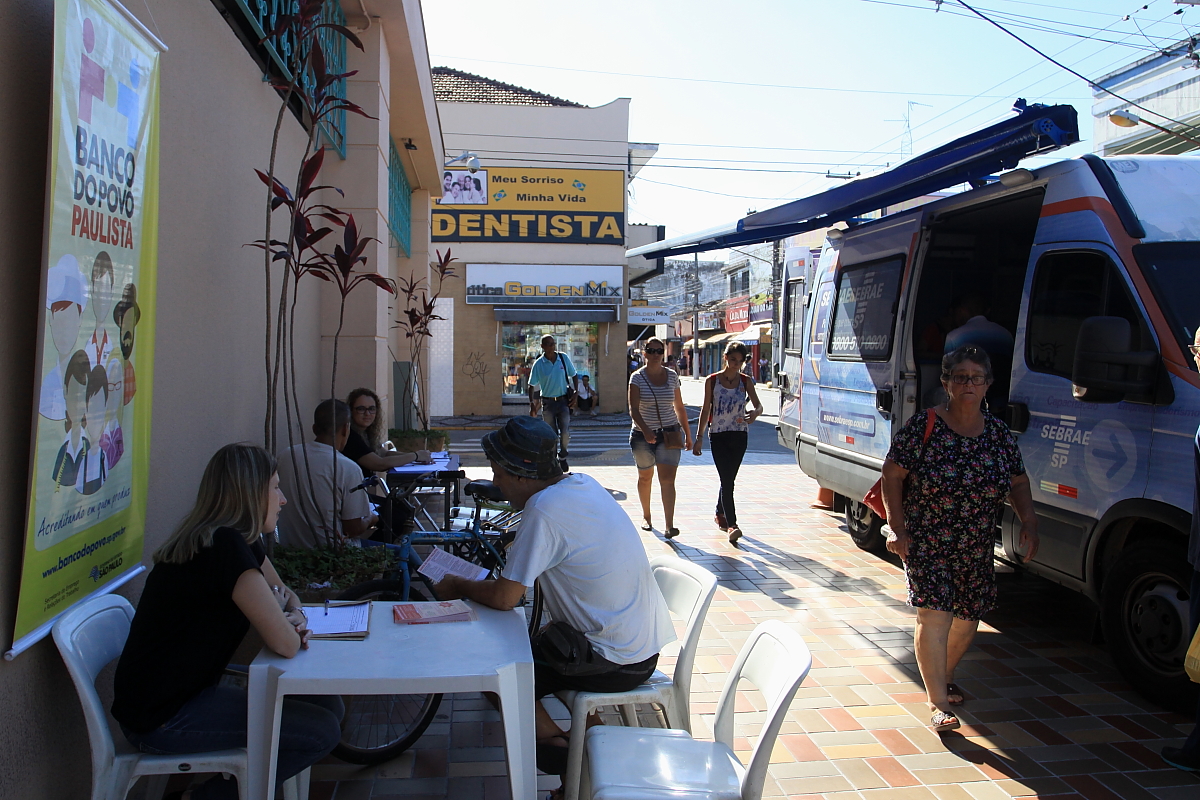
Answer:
(91, 432)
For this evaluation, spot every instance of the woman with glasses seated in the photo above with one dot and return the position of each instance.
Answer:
(365, 446)
(943, 495)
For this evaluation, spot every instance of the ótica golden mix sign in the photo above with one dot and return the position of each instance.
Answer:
(521, 204)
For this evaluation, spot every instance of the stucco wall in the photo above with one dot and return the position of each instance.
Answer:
(217, 116)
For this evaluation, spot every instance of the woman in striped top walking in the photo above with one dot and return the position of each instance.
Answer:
(660, 431)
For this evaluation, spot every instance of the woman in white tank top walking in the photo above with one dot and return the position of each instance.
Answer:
(724, 414)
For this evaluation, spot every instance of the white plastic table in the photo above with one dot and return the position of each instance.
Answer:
(490, 654)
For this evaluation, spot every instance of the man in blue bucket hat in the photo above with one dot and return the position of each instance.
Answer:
(610, 620)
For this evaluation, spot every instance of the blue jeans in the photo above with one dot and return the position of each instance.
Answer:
(557, 414)
(215, 719)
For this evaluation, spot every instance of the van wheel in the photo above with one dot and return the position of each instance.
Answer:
(1145, 617)
(865, 528)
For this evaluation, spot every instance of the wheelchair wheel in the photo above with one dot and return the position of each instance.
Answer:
(378, 728)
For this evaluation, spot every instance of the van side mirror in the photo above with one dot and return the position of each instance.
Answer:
(1106, 369)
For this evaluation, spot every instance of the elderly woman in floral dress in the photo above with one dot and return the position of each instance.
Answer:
(942, 495)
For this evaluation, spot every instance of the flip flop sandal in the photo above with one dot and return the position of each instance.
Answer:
(942, 722)
(551, 759)
(647, 525)
(671, 533)
(952, 689)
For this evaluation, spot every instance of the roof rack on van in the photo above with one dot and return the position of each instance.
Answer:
(1036, 129)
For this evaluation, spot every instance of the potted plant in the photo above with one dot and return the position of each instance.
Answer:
(411, 439)
(323, 573)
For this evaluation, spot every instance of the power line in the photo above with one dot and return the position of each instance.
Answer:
(621, 159)
(705, 191)
(1061, 65)
(1014, 20)
(702, 80)
(670, 144)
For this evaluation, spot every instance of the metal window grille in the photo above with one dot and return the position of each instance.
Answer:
(263, 15)
(399, 202)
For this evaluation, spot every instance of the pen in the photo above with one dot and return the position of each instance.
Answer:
(327, 606)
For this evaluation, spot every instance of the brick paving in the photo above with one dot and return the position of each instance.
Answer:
(1047, 715)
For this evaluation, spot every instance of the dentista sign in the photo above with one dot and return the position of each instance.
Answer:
(528, 204)
(545, 284)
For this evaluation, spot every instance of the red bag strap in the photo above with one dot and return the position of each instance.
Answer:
(930, 419)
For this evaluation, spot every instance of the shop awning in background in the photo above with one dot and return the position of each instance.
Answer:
(719, 338)
(755, 334)
(559, 315)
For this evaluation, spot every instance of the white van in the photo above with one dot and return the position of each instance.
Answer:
(1093, 266)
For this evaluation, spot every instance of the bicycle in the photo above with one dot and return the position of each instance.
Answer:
(377, 728)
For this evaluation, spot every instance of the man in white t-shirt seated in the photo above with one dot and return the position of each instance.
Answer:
(310, 519)
(594, 574)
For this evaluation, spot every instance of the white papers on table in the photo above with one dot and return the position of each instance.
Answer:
(436, 611)
(438, 564)
(339, 620)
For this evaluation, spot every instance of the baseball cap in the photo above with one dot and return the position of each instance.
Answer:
(526, 447)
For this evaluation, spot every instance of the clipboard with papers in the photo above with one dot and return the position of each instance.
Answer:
(339, 620)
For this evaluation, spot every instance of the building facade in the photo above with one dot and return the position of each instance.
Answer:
(216, 120)
(1166, 83)
(534, 208)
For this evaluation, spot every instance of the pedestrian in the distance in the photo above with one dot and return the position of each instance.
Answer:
(724, 415)
(660, 431)
(944, 481)
(555, 377)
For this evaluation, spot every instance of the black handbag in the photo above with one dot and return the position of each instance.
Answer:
(672, 435)
(571, 394)
(568, 652)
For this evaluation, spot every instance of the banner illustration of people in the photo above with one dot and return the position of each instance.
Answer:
(90, 450)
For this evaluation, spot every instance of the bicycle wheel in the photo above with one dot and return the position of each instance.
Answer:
(378, 728)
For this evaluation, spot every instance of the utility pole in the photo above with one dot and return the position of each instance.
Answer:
(696, 317)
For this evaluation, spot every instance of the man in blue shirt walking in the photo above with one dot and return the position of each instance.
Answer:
(554, 375)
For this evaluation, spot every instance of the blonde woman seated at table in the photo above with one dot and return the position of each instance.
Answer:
(210, 583)
(365, 446)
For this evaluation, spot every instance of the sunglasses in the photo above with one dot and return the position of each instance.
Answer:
(654, 351)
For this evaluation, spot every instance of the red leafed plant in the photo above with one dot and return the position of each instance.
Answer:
(310, 89)
(419, 312)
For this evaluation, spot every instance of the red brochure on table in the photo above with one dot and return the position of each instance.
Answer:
(437, 611)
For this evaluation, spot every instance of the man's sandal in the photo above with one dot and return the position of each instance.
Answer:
(942, 721)
(953, 691)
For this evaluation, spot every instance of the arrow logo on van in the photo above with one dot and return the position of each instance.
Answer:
(1116, 454)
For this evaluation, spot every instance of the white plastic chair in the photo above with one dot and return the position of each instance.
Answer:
(89, 637)
(688, 590)
(657, 764)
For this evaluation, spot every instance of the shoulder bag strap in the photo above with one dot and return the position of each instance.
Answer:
(654, 396)
(930, 420)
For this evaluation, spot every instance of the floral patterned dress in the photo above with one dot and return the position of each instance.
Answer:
(952, 496)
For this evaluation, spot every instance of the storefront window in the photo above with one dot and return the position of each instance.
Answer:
(521, 346)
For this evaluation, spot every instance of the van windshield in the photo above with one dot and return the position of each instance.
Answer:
(1173, 271)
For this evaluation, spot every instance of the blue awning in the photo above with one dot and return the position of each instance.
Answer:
(1035, 129)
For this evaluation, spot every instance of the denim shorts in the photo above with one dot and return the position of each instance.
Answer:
(646, 455)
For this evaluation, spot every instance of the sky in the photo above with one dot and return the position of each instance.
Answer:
(754, 102)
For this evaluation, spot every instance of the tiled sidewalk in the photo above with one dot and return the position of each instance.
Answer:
(1047, 715)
